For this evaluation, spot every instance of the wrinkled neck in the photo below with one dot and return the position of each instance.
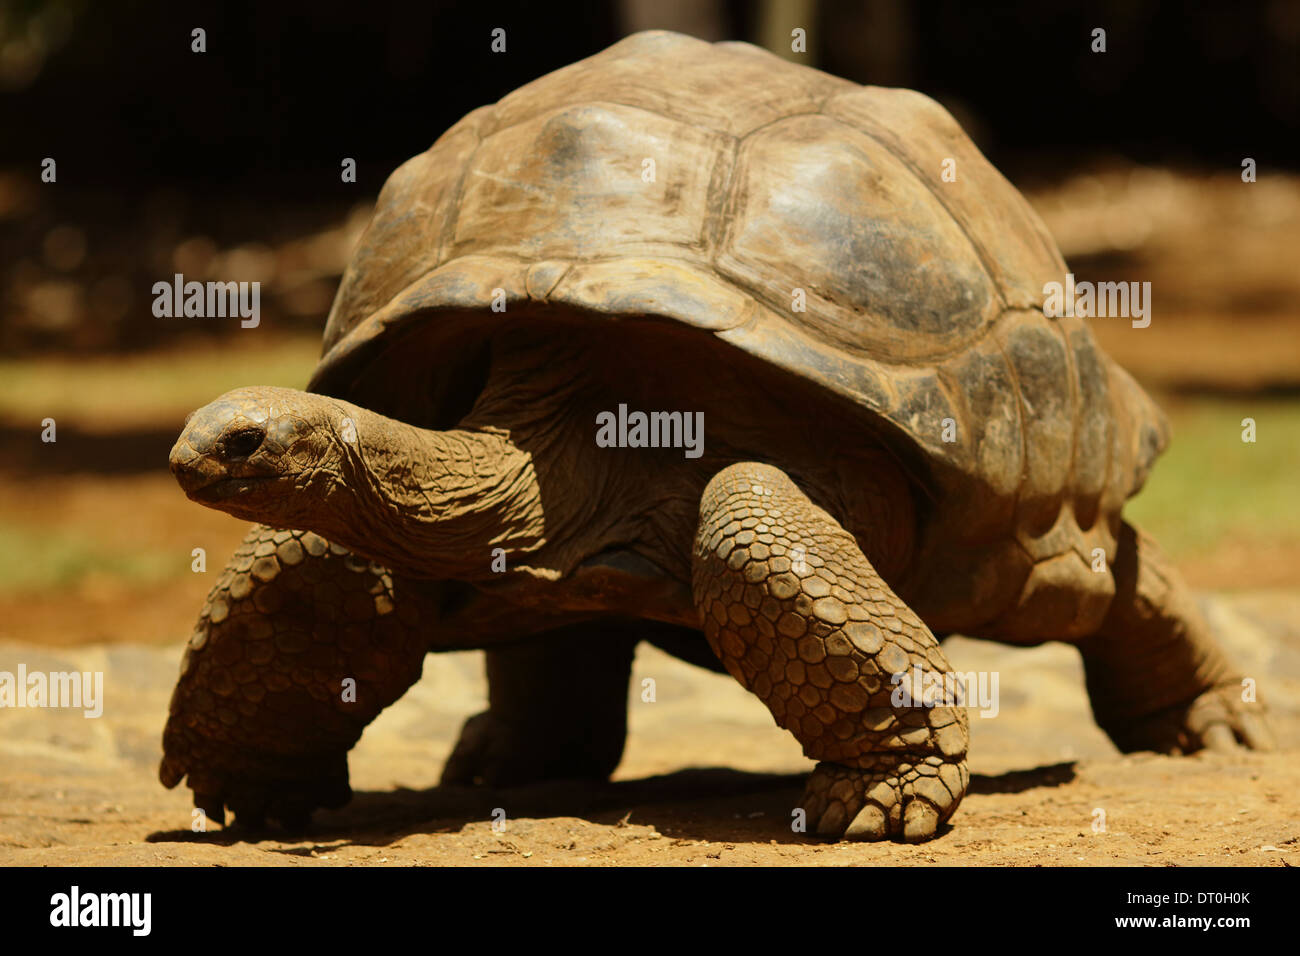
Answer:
(437, 504)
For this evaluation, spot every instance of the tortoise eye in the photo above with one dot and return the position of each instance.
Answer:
(243, 443)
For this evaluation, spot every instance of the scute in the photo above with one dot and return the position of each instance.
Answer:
(654, 287)
(885, 272)
(405, 239)
(1042, 368)
(572, 184)
(988, 438)
(1017, 250)
(1096, 425)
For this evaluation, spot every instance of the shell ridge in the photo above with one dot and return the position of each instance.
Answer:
(1020, 422)
(717, 224)
(451, 202)
(603, 101)
(1076, 407)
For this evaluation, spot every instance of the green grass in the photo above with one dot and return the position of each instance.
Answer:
(150, 386)
(143, 390)
(34, 559)
(1210, 485)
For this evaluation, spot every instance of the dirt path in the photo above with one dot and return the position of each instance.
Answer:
(85, 791)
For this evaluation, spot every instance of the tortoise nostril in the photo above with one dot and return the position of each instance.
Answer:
(243, 443)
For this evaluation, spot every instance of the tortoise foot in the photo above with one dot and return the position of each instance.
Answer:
(492, 752)
(1156, 676)
(300, 645)
(1217, 720)
(259, 789)
(897, 798)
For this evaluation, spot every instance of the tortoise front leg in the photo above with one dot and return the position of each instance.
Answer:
(1156, 677)
(262, 718)
(817, 635)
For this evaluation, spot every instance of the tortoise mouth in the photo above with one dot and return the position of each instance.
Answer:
(224, 489)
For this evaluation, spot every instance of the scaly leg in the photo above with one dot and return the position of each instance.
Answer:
(262, 719)
(817, 636)
(1156, 679)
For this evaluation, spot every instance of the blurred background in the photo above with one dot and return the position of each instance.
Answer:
(226, 165)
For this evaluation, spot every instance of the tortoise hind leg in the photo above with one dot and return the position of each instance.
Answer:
(1156, 678)
(817, 636)
(558, 703)
(557, 709)
(261, 719)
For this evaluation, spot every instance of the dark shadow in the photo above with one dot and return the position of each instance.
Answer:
(716, 804)
(131, 451)
(1018, 781)
(1200, 389)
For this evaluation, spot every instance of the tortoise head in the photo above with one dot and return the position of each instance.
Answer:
(417, 500)
(249, 451)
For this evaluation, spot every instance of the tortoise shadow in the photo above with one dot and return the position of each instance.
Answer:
(715, 804)
(1019, 781)
(379, 818)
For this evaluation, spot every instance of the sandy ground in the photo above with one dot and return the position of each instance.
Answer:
(707, 778)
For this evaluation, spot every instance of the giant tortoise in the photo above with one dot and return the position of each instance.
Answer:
(500, 449)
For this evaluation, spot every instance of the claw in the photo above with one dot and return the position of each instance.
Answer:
(869, 824)
(1219, 738)
(1256, 733)
(920, 820)
(832, 822)
(170, 772)
(814, 805)
(876, 804)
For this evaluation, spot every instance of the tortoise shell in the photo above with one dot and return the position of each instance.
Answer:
(799, 217)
